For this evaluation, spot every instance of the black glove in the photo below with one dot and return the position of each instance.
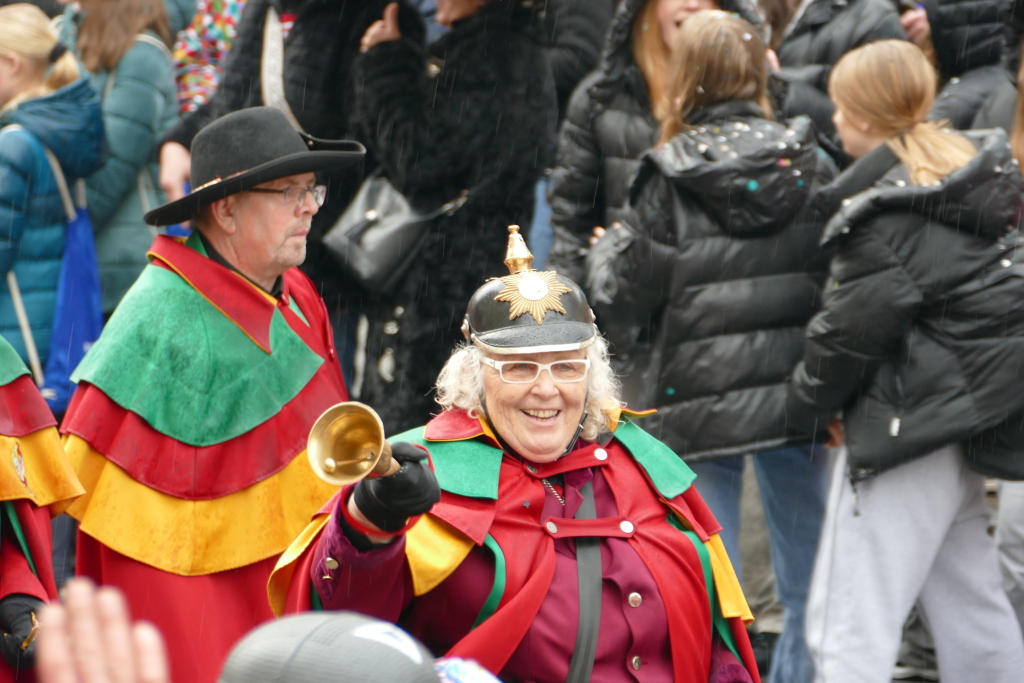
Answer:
(16, 619)
(389, 502)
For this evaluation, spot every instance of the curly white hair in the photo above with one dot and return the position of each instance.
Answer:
(461, 385)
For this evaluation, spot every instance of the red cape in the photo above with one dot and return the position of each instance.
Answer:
(530, 564)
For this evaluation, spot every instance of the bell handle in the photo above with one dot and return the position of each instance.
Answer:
(386, 465)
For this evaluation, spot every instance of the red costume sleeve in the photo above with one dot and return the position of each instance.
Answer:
(347, 586)
(16, 575)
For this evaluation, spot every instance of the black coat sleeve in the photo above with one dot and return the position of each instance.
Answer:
(870, 301)
(577, 193)
(1013, 30)
(967, 34)
(629, 271)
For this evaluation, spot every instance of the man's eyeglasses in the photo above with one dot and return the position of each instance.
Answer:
(296, 196)
(526, 371)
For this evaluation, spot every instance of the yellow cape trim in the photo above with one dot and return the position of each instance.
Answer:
(434, 550)
(284, 570)
(730, 593)
(613, 415)
(34, 467)
(192, 538)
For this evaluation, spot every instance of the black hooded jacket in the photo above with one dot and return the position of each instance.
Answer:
(608, 126)
(966, 34)
(722, 262)
(920, 341)
(968, 40)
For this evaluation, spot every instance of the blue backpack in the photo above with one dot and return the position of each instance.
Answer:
(78, 315)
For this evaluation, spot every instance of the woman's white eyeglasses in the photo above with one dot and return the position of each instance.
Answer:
(526, 371)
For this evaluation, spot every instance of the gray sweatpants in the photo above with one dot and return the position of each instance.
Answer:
(1010, 539)
(919, 530)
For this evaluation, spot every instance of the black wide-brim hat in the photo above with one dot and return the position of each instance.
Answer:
(246, 148)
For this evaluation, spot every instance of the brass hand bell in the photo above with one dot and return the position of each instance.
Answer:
(347, 444)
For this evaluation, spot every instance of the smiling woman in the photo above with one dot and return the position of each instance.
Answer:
(463, 384)
(557, 517)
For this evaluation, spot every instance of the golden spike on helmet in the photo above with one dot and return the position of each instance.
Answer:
(517, 256)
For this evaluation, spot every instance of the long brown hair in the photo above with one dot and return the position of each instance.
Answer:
(26, 32)
(891, 85)
(1017, 136)
(651, 56)
(717, 57)
(109, 28)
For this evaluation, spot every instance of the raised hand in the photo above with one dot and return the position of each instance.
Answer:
(90, 640)
(382, 30)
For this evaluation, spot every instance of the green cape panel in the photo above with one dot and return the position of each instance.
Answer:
(170, 357)
(470, 467)
(11, 367)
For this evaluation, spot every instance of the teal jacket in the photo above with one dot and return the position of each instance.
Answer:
(33, 221)
(139, 106)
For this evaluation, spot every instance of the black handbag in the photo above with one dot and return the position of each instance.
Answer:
(380, 233)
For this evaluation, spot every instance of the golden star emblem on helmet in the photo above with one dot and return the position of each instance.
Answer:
(528, 290)
(533, 292)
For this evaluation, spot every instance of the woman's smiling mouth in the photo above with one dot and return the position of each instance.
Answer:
(542, 414)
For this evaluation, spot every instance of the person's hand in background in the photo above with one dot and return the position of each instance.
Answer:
(175, 170)
(90, 639)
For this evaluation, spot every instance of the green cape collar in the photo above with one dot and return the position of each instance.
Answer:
(466, 464)
(11, 366)
(175, 359)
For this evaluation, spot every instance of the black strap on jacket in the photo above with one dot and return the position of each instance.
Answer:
(590, 573)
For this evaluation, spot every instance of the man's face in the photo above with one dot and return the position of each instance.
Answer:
(271, 227)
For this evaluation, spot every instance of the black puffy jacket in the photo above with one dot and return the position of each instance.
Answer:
(826, 31)
(968, 40)
(608, 126)
(921, 337)
(967, 34)
(723, 263)
(475, 110)
(998, 109)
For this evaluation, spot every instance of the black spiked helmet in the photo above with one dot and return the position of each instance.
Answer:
(246, 148)
(528, 311)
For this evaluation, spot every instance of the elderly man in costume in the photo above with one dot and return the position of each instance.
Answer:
(35, 478)
(190, 420)
(567, 544)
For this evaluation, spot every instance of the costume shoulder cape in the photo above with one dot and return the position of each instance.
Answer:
(33, 465)
(35, 477)
(467, 467)
(192, 410)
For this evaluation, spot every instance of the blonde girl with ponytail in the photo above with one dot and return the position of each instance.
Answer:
(44, 106)
(883, 93)
(32, 62)
(917, 346)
